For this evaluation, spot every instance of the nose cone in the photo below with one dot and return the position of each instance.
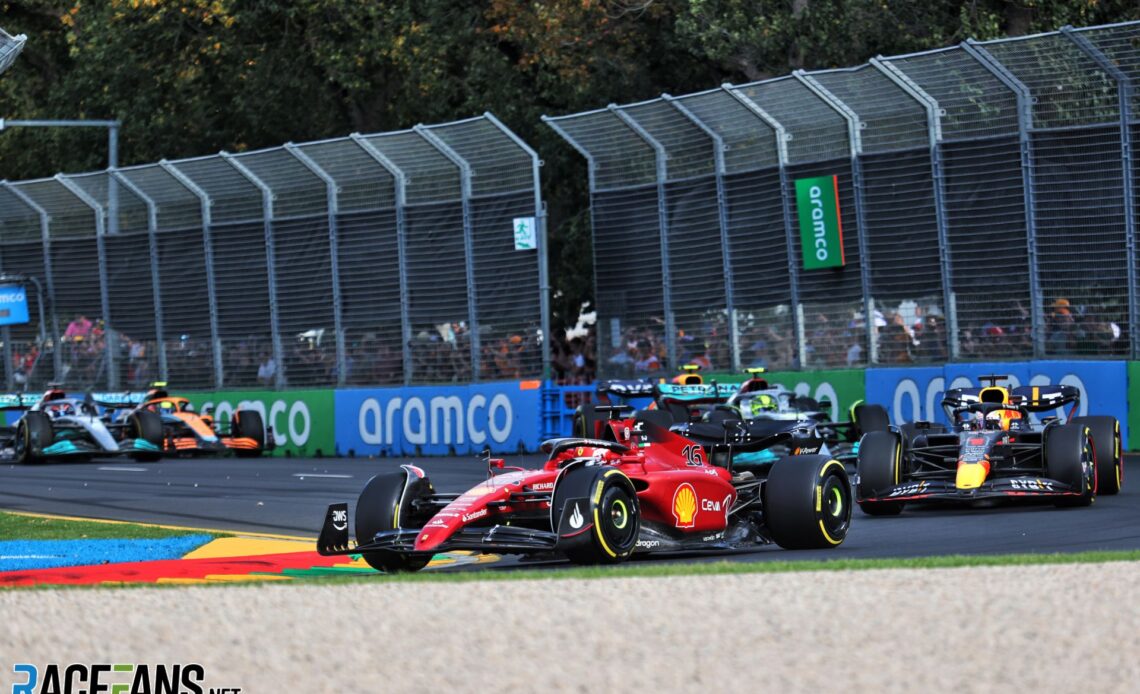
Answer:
(430, 538)
(971, 475)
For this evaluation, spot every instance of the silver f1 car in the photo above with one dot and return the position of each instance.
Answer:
(55, 426)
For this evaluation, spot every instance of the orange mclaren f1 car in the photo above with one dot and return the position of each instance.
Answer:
(188, 432)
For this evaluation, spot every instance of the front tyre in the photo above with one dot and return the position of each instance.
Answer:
(379, 508)
(147, 426)
(1070, 458)
(880, 468)
(249, 425)
(33, 435)
(1105, 433)
(807, 502)
(605, 500)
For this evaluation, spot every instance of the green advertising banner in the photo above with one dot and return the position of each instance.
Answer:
(302, 420)
(821, 226)
(1133, 406)
(843, 387)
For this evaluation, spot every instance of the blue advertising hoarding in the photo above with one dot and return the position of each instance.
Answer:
(13, 304)
(911, 394)
(438, 420)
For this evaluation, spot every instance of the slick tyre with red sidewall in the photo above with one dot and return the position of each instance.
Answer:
(384, 504)
(605, 503)
(1070, 458)
(879, 466)
(807, 502)
(1105, 432)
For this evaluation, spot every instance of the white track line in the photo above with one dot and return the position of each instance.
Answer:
(313, 474)
(111, 468)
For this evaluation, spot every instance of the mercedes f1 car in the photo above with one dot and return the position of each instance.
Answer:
(993, 450)
(713, 412)
(637, 488)
(56, 426)
(186, 432)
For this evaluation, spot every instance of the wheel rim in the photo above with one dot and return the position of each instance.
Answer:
(617, 514)
(835, 511)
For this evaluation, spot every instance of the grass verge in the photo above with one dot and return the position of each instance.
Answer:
(648, 569)
(17, 526)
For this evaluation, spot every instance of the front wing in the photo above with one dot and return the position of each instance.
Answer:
(945, 490)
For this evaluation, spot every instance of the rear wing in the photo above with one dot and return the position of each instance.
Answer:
(118, 401)
(18, 401)
(1029, 398)
(626, 388)
(1045, 398)
(703, 393)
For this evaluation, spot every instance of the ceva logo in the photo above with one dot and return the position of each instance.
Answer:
(442, 420)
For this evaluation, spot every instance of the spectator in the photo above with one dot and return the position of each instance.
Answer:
(647, 361)
(78, 329)
(267, 371)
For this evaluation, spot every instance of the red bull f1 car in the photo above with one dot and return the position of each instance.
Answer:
(186, 432)
(993, 450)
(636, 488)
(55, 426)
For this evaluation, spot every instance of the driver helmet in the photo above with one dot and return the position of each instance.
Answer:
(763, 403)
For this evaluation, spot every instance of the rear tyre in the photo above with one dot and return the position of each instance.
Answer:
(807, 502)
(33, 435)
(611, 518)
(147, 426)
(880, 467)
(379, 508)
(1105, 432)
(583, 423)
(249, 425)
(869, 418)
(1069, 458)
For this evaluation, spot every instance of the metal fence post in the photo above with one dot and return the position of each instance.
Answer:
(941, 214)
(786, 195)
(155, 284)
(722, 221)
(332, 190)
(110, 335)
(45, 238)
(1124, 93)
(663, 227)
(1024, 125)
(468, 241)
(208, 249)
(591, 167)
(401, 192)
(540, 217)
(267, 198)
(855, 143)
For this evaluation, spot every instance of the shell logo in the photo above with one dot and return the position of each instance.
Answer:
(685, 506)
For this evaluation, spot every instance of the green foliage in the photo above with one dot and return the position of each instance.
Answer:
(23, 527)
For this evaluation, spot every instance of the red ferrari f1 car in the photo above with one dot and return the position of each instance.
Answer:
(635, 488)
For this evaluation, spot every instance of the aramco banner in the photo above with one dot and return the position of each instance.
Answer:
(821, 226)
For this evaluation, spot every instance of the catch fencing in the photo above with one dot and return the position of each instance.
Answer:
(372, 259)
(986, 197)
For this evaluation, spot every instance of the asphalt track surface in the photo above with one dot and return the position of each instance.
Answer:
(288, 496)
